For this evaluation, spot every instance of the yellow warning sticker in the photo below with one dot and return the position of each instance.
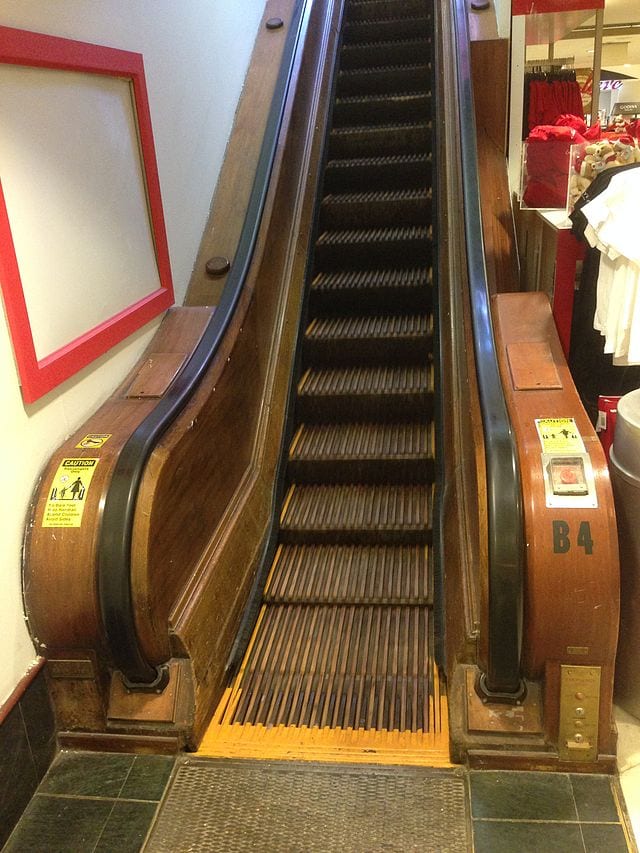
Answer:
(559, 435)
(94, 440)
(68, 493)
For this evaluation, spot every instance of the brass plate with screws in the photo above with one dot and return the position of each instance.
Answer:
(579, 712)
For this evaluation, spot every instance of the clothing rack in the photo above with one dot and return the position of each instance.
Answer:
(567, 98)
(555, 69)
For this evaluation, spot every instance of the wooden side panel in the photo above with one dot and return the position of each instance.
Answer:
(572, 572)
(59, 572)
(490, 70)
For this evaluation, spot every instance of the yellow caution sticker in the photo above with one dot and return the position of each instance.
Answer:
(559, 435)
(68, 493)
(94, 440)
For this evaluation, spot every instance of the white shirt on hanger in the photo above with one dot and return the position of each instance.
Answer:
(612, 228)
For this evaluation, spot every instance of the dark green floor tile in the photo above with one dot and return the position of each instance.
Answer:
(498, 836)
(59, 825)
(594, 798)
(604, 838)
(515, 795)
(87, 774)
(126, 828)
(148, 778)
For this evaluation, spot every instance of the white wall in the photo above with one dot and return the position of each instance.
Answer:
(196, 55)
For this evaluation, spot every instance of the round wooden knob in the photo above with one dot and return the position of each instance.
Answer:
(217, 266)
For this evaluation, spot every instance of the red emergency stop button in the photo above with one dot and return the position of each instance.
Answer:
(567, 476)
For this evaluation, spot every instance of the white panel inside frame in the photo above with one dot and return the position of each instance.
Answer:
(73, 182)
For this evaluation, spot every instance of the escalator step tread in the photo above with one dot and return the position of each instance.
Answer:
(368, 381)
(380, 79)
(378, 140)
(363, 9)
(386, 43)
(412, 69)
(385, 52)
(377, 196)
(372, 110)
(389, 20)
(373, 327)
(415, 278)
(368, 30)
(393, 172)
(373, 209)
(363, 441)
(375, 236)
(380, 129)
(350, 574)
(351, 630)
(357, 507)
(383, 99)
(389, 160)
(341, 666)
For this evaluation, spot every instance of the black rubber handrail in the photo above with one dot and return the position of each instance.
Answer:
(114, 546)
(502, 679)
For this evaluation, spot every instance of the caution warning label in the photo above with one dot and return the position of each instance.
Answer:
(68, 493)
(559, 435)
(94, 440)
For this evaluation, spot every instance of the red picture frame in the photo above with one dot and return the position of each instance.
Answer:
(38, 376)
(544, 7)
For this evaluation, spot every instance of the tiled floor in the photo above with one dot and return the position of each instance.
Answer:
(516, 812)
(106, 803)
(93, 802)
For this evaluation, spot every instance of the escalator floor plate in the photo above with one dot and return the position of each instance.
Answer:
(322, 741)
(257, 805)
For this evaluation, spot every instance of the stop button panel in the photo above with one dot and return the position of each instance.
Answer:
(566, 466)
(568, 476)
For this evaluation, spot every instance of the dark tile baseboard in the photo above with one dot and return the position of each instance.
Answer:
(27, 747)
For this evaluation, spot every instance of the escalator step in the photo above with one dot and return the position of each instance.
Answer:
(375, 29)
(343, 667)
(384, 247)
(384, 78)
(375, 209)
(350, 574)
(380, 140)
(357, 513)
(366, 393)
(344, 638)
(386, 52)
(372, 291)
(377, 109)
(370, 339)
(362, 10)
(362, 452)
(384, 173)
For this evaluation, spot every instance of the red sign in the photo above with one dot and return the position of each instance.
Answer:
(542, 7)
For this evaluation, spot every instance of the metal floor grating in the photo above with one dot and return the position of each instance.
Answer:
(222, 805)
